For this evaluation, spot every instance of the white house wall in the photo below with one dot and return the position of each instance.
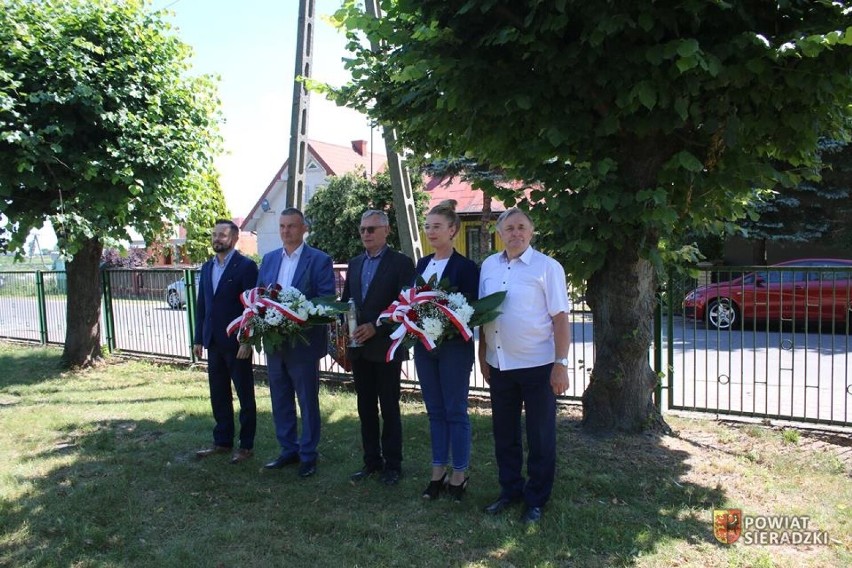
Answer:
(267, 222)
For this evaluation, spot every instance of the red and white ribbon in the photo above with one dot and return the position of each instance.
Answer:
(398, 312)
(252, 300)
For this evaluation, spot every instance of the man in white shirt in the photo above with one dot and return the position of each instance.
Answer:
(524, 359)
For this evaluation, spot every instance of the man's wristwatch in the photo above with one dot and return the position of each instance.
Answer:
(563, 361)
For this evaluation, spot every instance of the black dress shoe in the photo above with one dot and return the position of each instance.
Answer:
(307, 469)
(364, 473)
(531, 515)
(433, 490)
(500, 505)
(457, 492)
(391, 476)
(282, 461)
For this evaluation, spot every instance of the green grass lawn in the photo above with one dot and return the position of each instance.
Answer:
(97, 468)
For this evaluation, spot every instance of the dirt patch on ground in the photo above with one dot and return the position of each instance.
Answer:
(717, 437)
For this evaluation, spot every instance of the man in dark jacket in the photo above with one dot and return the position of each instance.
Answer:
(223, 278)
(374, 280)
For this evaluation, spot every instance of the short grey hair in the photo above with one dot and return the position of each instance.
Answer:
(513, 211)
(383, 217)
(294, 211)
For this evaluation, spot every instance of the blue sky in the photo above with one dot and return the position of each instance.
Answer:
(251, 45)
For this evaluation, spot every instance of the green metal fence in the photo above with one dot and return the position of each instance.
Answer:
(795, 366)
(762, 342)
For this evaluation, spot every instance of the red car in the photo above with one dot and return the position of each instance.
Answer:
(794, 291)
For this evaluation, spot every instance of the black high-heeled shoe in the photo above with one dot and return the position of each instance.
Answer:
(457, 491)
(433, 490)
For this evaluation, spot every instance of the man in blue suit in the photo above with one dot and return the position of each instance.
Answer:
(223, 279)
(294, 369)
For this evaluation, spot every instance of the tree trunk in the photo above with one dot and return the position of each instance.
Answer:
(758, 252)
(622, 298)
(83, 314)
(484, 233)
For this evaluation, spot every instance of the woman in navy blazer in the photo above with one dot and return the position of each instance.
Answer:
(444, 373)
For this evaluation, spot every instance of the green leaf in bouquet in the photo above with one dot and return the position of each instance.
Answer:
(331, 302)
(445, 285)
(482, 319)
(485, 309)
(489, 302)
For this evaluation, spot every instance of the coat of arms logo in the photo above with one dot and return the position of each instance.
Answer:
(727, 525)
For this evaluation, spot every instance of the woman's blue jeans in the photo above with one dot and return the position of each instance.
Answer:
(444, 376)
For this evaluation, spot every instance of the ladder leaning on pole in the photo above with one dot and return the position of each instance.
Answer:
(403, 195)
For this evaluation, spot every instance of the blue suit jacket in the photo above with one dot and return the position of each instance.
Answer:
(214, 312)
(462, 273)
(314, 276)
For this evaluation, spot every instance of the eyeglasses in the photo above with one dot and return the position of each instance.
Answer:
(369, 230)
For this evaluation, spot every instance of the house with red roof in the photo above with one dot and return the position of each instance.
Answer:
(324, 160)
(469, 206)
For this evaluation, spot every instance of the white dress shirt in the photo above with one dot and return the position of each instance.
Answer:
(288, 265)
(436, 267)
(522, 335)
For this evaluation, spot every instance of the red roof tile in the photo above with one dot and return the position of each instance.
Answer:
(469, 200)
(338, 160)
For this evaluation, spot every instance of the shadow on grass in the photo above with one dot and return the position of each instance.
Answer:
(29, 366)
(619, 497)
(129, 491)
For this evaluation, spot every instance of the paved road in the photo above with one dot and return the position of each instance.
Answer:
(773, 373)
(768, 373)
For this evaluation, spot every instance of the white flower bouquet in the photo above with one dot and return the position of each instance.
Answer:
(431, 313)
(274, 314)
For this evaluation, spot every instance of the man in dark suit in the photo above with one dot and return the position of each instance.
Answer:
(374, 280)
(294, 369)
(223, 279)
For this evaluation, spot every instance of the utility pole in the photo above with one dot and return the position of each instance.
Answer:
(403, 196)
(295, 195)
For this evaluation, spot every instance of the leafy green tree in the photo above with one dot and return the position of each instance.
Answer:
(200, 220)
(629, 121)
(334, 212)
(101, 130)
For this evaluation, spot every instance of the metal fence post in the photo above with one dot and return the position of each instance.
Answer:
(658, 351)
(42, 308)
(670, 346)
(189, 279)
(109, 315)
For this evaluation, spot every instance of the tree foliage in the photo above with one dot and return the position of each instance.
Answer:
(814, 209)
(101, 130)
(200, 220)
(630, 121)
(334, 212)
(131, 258)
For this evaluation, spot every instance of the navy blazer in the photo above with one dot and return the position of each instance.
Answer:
(395, 272)
(213, 312)
(462, 273)
(313, 277)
